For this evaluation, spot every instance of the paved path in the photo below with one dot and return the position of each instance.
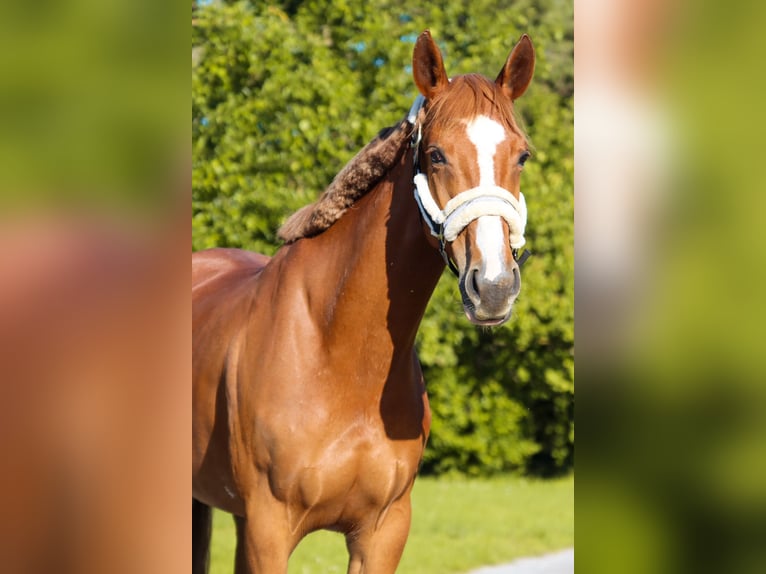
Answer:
(557, 563)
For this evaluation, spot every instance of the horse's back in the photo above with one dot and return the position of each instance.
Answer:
(212, 263)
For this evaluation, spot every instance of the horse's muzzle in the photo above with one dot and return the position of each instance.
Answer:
(488, 300)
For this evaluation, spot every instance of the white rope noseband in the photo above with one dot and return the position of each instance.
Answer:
(467, 206)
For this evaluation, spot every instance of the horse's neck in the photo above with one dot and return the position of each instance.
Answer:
(373, 271)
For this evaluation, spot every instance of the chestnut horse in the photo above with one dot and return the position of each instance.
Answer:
(309, 405)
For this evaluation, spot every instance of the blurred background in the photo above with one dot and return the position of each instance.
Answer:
(94, 305)
(671, 453)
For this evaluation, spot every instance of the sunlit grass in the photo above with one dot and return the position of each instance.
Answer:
(458, 524)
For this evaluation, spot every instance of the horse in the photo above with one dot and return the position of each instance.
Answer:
(309, 404)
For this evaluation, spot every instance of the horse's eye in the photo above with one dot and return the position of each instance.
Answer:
(437, 157)
(524, 157)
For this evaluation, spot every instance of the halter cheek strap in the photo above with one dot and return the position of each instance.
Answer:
(467, 206)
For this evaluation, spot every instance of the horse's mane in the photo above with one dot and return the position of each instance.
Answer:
(357, 178)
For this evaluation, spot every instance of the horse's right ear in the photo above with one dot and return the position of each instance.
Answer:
(517, 72)
(428, 66)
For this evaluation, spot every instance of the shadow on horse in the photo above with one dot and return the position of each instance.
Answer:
(309, 405)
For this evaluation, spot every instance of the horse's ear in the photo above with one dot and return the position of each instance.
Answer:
(428, 66)
(517, 72)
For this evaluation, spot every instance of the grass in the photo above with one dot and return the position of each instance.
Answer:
(457, 525)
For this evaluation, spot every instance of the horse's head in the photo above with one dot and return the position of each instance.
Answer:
(469, 158)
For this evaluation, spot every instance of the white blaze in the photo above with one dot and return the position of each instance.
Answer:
(486, 134)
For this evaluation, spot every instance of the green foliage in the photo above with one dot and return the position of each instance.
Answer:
(284, 94)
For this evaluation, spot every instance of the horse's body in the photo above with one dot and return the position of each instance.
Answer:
(310, 408)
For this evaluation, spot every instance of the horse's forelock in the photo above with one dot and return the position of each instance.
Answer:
(468, 97)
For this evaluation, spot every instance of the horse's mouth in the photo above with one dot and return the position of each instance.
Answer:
(474, 317)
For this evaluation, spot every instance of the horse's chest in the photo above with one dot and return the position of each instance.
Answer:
(351, 479)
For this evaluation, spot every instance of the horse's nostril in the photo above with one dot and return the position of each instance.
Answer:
(474, 282)
(516, 287)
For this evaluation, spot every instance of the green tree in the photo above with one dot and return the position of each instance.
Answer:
(283, 95)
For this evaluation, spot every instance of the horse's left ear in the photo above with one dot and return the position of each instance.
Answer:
(428, 66)
(517, 72)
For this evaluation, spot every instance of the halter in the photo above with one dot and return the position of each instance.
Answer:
(467, 206)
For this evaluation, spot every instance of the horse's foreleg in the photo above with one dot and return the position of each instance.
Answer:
(263, 541)
(201, 526)
(378, 549)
